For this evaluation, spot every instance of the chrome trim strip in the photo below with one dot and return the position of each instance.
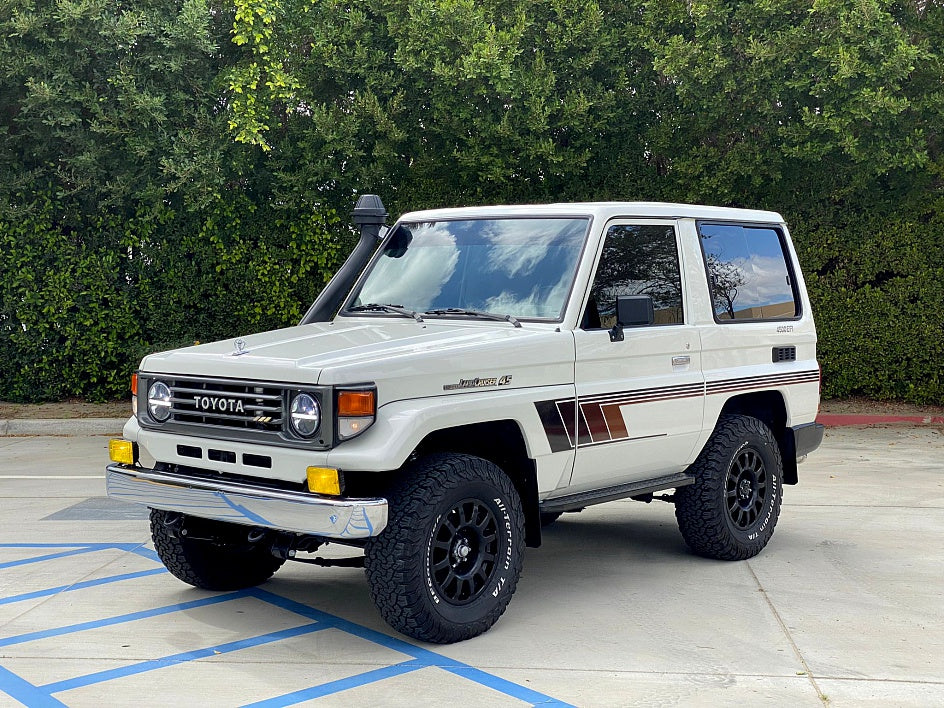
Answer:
(240, 503)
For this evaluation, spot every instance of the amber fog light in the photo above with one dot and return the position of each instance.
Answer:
(324, 480)
(122, 451)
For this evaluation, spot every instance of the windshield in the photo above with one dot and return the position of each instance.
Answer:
(519, 267)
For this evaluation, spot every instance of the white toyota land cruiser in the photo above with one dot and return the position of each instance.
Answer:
(460, 386)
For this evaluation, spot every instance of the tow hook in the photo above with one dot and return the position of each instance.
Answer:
(175, 524)
(284, 547)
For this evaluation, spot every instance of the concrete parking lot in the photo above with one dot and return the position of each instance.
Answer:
(844, 608)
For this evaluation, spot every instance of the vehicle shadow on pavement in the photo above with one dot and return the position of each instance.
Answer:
(635, 536)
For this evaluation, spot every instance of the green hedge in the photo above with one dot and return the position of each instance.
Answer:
(877, 285)
(82, 302)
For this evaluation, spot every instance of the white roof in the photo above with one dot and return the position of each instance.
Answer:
(602, 210)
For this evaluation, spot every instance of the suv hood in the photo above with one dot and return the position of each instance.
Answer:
(404, 358)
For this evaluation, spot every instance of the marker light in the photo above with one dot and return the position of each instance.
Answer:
(356, 412)
(356, 403)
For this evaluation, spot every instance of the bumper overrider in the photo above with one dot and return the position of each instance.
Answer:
(240, 503)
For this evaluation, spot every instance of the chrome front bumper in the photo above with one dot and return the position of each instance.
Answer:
(246, 504)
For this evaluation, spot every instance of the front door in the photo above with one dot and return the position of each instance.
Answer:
(640, 401)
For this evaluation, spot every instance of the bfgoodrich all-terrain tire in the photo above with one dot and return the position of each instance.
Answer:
(730, 512)
(228, 562)
(448, 562)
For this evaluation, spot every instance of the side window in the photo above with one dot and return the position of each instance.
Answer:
(636, 260)
(748, 272)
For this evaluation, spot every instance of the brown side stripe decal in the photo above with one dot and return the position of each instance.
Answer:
(727, 385)
(598, 419)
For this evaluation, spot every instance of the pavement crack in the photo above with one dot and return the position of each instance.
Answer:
(786, 631)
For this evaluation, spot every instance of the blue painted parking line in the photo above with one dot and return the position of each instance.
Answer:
(81, 585)
(141, 667)
(332, 687)
(47, 557)
(426, 657)
(136, 548)
(119, 619)
(32, 695)
(94, 546)
(25, 692)
(146, 553)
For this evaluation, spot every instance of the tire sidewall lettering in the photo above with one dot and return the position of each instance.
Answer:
(428, 565)
(774, 491)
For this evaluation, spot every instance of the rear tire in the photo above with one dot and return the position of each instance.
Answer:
(730, 512)
(229, 562)
(445, 567)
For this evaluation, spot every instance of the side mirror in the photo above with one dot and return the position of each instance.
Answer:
(632, 311)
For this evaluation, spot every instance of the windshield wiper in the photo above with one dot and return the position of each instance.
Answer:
(474, 313)
(377, 307)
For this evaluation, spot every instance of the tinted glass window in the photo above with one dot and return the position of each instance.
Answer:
(522, 267)
(637, 260)
(747, 272)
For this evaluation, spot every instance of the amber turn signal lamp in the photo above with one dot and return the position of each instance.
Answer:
(356, 403)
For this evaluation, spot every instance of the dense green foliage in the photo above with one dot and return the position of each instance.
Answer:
(170, 170)
(130, 221)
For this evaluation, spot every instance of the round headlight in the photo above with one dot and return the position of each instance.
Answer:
(158, 401)
(305, 415)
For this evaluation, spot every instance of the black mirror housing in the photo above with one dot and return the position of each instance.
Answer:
(632, 311)
(635, 310)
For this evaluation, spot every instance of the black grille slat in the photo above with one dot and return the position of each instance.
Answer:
(223, 416)
(780, 354)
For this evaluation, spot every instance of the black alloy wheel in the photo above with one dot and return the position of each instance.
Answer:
(464, 552)
(746, 487)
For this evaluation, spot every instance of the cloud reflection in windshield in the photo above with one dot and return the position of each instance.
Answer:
(522, 267)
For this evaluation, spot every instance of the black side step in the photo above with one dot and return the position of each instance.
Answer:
(599, 496)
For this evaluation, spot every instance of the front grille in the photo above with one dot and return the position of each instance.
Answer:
(240, 405)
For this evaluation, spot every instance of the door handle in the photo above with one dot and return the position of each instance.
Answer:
(681, 360)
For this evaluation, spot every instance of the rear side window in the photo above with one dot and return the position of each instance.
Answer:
(748, 272)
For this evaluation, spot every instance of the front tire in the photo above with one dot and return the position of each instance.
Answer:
(445, 567)
(730, 512)
(227, 562)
